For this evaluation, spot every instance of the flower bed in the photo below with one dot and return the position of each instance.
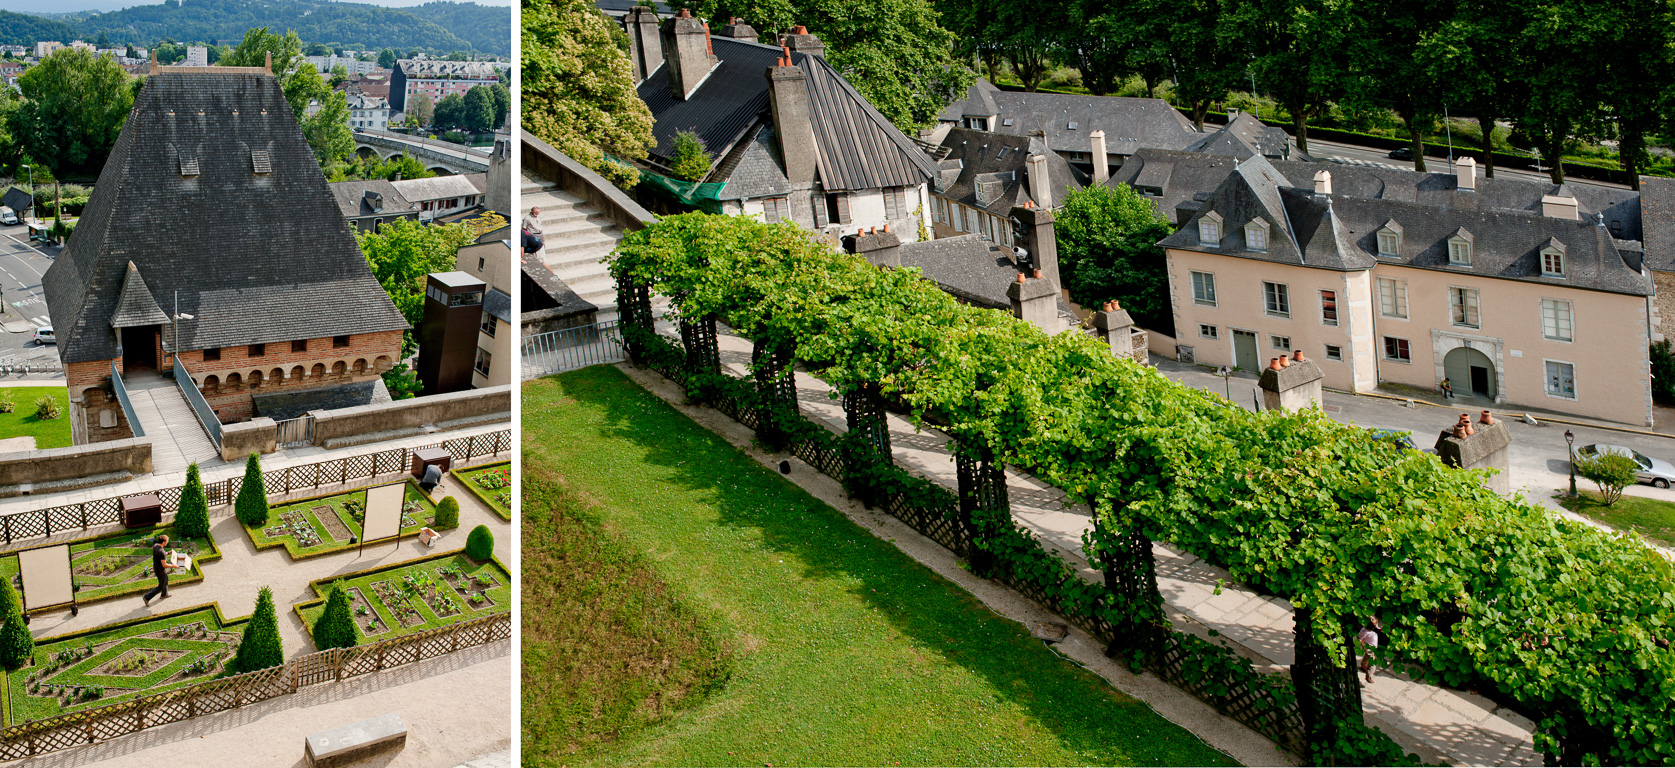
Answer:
(112, 565)
(321, 525)
(416, 595)
(492, 483)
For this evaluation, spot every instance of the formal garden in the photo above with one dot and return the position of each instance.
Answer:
(1564, 624)
(321, 525)
(117, 564)
(492, 483)
(413, 596)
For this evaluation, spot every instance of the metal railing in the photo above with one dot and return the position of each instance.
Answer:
(200, 406)
(571, 348)
(297, 431)
(127, 405)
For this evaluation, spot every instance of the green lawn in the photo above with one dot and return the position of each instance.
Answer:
(21, 421)
(492, 483)
(439, 584)
(844, 651)
(118, 564)
(345, 509)
(188, 646)
(1652, 518)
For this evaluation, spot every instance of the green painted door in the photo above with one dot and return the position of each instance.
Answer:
(1244, 351)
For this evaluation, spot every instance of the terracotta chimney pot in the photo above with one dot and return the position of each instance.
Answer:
(1285, 362)
(1297, 354)
(1487, 417)
(684, 14)
(1020, 277)
(1465, 418)
(1469, 429)
(1038, 274)
(886, 227)
(799, 30)
(1273, 363)
(1460, 430)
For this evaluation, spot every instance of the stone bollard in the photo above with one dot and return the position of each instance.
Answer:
(1484, 445)
(1117, 328)
(1291, 383)
(1035, 301)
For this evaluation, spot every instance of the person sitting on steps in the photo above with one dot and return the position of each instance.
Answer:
(1447, 388)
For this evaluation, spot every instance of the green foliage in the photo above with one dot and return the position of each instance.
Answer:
(386, 59)
(251, 506)
(335, 627)
(450, 113)
(26, 29)
(46, 408)
(1612, 472)
(74, 105)
(436, 27)
(420, 111)
(478, 114)
(402, 382)
(15, 641)
(692, 160)
(370, 167)
(192, 517)
(502, 104)
(578, 88)
(404, 252)
(479, 545)
(1663, 372)
(327, 131)
(260, 647)
(447, 513)
(1107, 239)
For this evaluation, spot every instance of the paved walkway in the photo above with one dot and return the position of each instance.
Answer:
(177, 438)
(1437, 723)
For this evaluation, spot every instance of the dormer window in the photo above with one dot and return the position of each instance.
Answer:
(188, 166)
(1209, 229)
(1390, 240)
(1459, 249)
(1256, 235)
(260, 162)
(1552, 259)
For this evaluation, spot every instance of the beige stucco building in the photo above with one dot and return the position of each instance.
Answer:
(1543, 309)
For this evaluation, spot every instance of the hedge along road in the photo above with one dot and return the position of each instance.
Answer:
(846, 651)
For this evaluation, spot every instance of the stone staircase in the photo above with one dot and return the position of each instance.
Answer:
(577, 238)
(177, 439)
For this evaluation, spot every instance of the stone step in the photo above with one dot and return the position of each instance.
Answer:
(578, 241)
(555, 230)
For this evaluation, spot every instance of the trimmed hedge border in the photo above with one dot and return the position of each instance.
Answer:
(287, 542)
(481, 494)
(322, 587)
(196, 575)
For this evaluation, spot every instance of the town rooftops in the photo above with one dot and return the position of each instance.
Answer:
(1067, 119)
(1657, 221)
(992, 173)
(358, 198)
(438, 69)
(436, 188)
(1243, 136)
(255, 256)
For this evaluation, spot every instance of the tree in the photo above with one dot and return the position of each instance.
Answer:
(339, 73)
(1198, 34)
(336, 626)
(447, 513)
(1663, 372)
(251, 506)
(191, 519)
(479, 544)
(502, 103)
(74, 105)
(692, 160)
(578, 88)
(327, 131)
(1107, 251)
(1299, 49)
(261, 647)
(1612, 472)
(169, 52)
(1388, 68)
(420, 111)
(1476, 80)
(16, 644)
(317, 49)
(450, 112)
(404, 252)
(479, 114)
(386, 59)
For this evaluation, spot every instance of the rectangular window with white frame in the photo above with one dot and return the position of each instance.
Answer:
(1392, 297)
(1204, 289)
(1396, 350)
(1329, 307)
(1207, 331)
(1561, 380)
(1281, 343)
(1462, 306)
(1556, 320)
(1276, 298)
(1334, 352)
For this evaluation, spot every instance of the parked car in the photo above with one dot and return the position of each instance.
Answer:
(1655, 471)
(1401, 153)
(44, 335)
(1403, 440)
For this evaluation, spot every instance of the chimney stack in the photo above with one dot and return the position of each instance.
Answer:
(801, 41)
(1040, 240)
(1559, 207)
(1465, 175)
(1040, 186)
(880, 247)
(1114, 324)
(1323, 182)
(738, 30)
(645, 42)
(1035, 302)
(1101, 163)
(686, 50)
(788, 99)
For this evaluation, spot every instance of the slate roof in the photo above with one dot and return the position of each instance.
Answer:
(1657, 221)
(438, 187)
(284, 404)
(1244, 136)
(992, 170)
(1339, 232)
(856, 147)
(498, 304)
(17, 199)
(351, 198)
(1129, 124)
(136, 306)
(754, 168)
(966, 266)
(256, 258)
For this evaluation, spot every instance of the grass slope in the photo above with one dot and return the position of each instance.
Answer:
(48, 433)
(1652, 518)
(848, 651)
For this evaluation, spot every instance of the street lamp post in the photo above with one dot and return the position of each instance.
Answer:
(1226, 375)
(31, 208)
(1570, 444)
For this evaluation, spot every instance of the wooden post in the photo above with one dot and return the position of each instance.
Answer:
(46, 522)
(1328, 695)
(83, 507)
(982, 491)
(8, 521)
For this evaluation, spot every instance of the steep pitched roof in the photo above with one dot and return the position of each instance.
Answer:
(137, 306)
(1244, 136)
(1657, 204)
(856, 147)
(17, 199)
(993, 174)
(437, 187)
(1128, 123)
(256, 257)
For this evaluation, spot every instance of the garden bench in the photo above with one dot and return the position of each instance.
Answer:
(356, 742)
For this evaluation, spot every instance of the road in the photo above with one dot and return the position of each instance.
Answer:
(1332, 149)
(25, 306)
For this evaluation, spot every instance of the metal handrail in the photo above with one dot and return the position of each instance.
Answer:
(200, 406)
(571, 348)
(127, 405)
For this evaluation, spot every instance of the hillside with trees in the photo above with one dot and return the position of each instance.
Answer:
(484, 27)
(23, 29)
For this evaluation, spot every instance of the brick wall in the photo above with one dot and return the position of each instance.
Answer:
(95, 403)
(229, 383)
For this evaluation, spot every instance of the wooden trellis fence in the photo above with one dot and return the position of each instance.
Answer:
(45, 522)
(121, 718)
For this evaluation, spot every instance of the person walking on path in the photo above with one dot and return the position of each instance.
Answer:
(1447, 388)
(1368, 638)
(532, 241)
(161, 568)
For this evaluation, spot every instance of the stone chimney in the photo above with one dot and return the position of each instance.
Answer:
(788, 97)
(1323, 182)
(1559, 207)
(1116, 327)
(1040, 185)
(686, 51)
(1487, 447)
(881, 247)
(738, 30)
(1035, 301)
(645, 42)
(801, 41)
(1101, 161)
(1291, 384)
(1040, 240)
(1465, 175)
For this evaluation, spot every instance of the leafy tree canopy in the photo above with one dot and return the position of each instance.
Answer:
(74, 105)
(1107, 240)
(578, 88)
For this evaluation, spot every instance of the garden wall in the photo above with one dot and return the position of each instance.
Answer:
(77, 466)
(258, 435)
(384, 421)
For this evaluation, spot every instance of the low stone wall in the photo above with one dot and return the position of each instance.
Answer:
(25, 471)
(384, 421)
(258, 435)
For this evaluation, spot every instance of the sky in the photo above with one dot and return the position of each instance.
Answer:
(66, 6)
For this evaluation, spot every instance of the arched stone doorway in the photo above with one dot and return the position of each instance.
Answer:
(1471, 372)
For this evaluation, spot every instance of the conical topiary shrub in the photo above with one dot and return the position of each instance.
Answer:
(335, 628)
(260, 647)
(480, 544)
(447, 513)
(15, 641)
(252, 503)
(191, 520)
